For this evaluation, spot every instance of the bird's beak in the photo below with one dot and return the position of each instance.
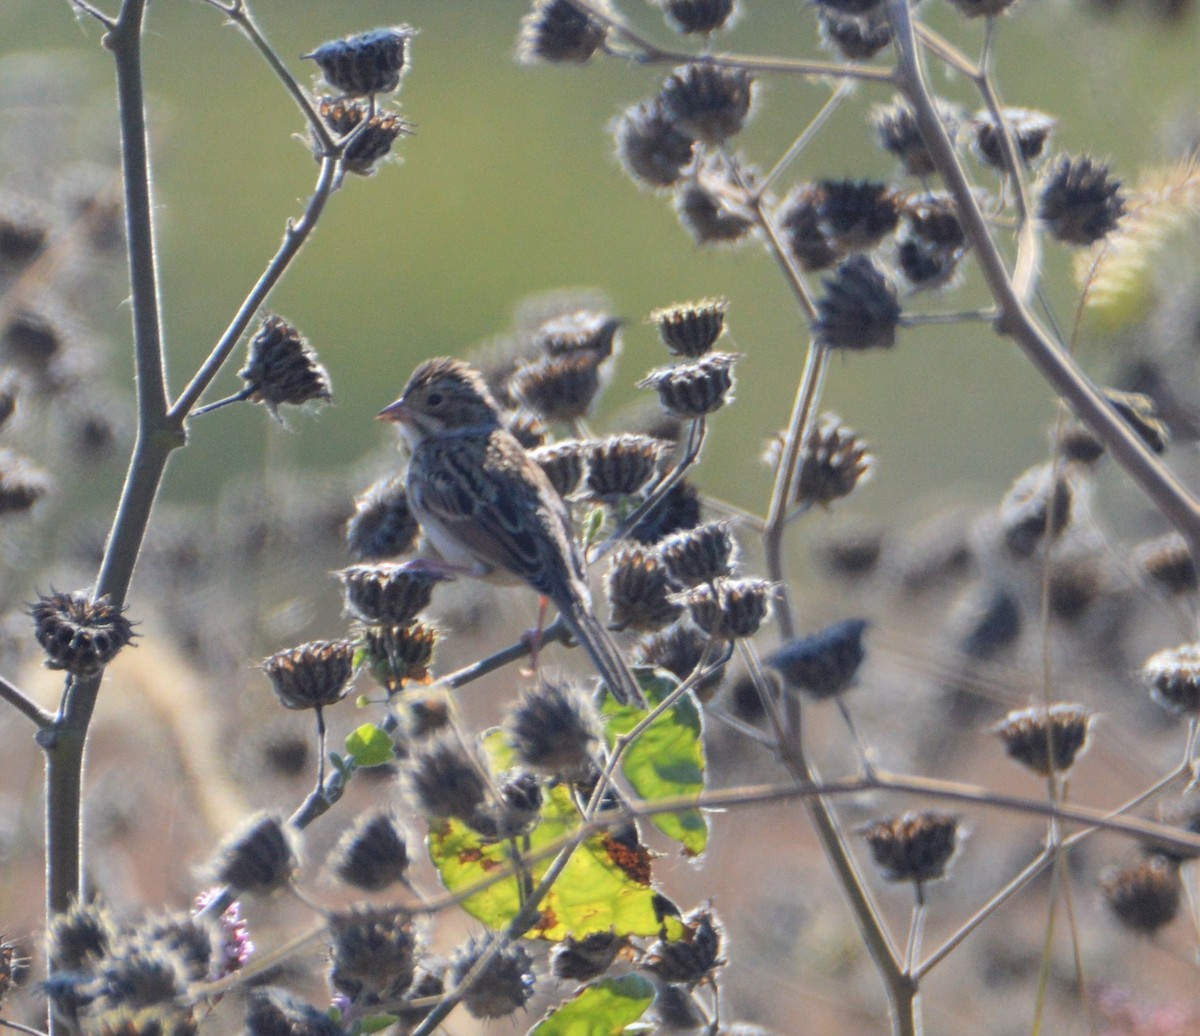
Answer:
(397, 411)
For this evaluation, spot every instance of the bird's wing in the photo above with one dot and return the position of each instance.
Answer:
(504, 512)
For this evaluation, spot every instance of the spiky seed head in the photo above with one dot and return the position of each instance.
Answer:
(710, 217)
(579, 330)
(382, 525)
(1046, 741)
(678, 509)
(446, 780)
(691, 328)
(366, 63)
(272, 1012)
(799, 217)
(559, 388)
(1079, 444)
(679, 650)
(429, 985)
(933, 218)
(388, 595)
(194, 942)
(692, 390)
(80, 936)
(261, 857)
(364, 153)
(1167, 562)
(1080, 201)
(1139, 412)
(700, 555)
(372, 954)
(913, 847)
(650, 147)
(22, 483)
(699, 16)
(694, 956)
(1144, 896)
(992, 622)
(927, 267)
(581, 960)
(564, 463)
(281, 367)
(559, 31)
(552, 730)
(708, 102)
(623, 465)
(833, 462)
(1173, 677)
(859, 308)
(824, 663)
(79, 635)
(504, 986)
(853, 38)
(139, 978)
(1031, 131)
(428, 716)
(515, 813)
(1037, 507)
(399, 655)
(638, 587)
(857, 214)
(896, 126)
(372, 854)
(729, 608)
(311, 675)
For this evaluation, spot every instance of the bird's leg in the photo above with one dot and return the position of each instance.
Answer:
(533, 637)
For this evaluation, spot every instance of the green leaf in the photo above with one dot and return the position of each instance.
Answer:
(593, 525)
(605, 885)
(374, 1023)
(370, 745)
(602, 1009)
(667, 759)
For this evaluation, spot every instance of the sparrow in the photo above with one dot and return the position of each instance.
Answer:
(488, 508)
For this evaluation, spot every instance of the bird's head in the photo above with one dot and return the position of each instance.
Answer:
(443, 397)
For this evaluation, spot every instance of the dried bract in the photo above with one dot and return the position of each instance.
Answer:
(369, 146)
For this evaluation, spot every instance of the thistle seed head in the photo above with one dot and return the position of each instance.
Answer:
(559, 388)
(700, 555)
(282, 368)
(729, 608)
(272, 1012)
(1038, 506)
(913, 847)
(692, 390)
(367, 63)
(708, 102)
(1080, 202)
(1173, 677)
(651, 148)
(824, 663)
(693, 957)
(993, 624)
(833, 462)
(699, 16)
(312, 675)
(388, 595)
(552, 730)
(852, 37)
(580, 331)
(933, 219)
(446, 781)
(638, 587)
(859, 308)
(505, 985)
(896, 126)
(564, 463)
(624, 465)
(1031, 131)
(799, 217)
(679, 650)
(382, 525)
(527, 429)
(399, 655)
(372, 955)
(559, 31)
(1167, 562)
(78, 634)
(372, 144)
(710, 217)
(260, 858)
(581, 960)
(1046, 742)
(372, 854)
(857, 214)
(692, 328)
(678, 509)
(1144, 896)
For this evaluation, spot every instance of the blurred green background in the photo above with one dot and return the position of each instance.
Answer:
(509, 188)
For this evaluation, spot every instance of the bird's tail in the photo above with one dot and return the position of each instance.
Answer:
(605, 655)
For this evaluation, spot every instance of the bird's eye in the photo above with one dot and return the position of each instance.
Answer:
(434, 399)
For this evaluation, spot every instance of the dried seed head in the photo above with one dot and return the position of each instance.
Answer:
(992, 618)
(389, 595)
(446, 780)
(1046, 742)
(552, 730)
(581, 330)
(581, 960)
(832, 464)
(708, 102)
(694, 956)
(282, 368)
(559, 31)
(896, 125)
(700, 555)
(926, 267)
(371, 145)
(80, 936)
(854, 38)
(1173, 676)
(708, 215)
(559, 388)
(1030, 132)
(34, 339)
(22, 483)
(1079, 444)
(78, 634)
(745, 700)
(504, 986)
(691, 390)
(383, 525)
(859, 308)
(691, 328)
(563, 462)
(428, 716)
(367, 63)
(372, 954)
(311, 675)
(1080, 202)
(1144, 896)
(623, 465)
(372, 854)
(982, 8)
(799, 217)
(1167, 561)
(1038, 506)
(1073, 585)
(194, 942)
(1138, 411)
(141, 982)
(706, 16)
(398, 655)
(651, 148)
(23, 233)
(852, 551)
(933, 219)
(517, 811)
(914, 847)
(272, 1012)
(856, 214)
(679, 650)
(729, 608)
(678, 509)
(824, 663)
(260, 858)
(638, 587)
(9, 390)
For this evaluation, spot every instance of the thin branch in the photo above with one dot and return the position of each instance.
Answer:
(25, 705)
(843, 90)
(83, 7)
